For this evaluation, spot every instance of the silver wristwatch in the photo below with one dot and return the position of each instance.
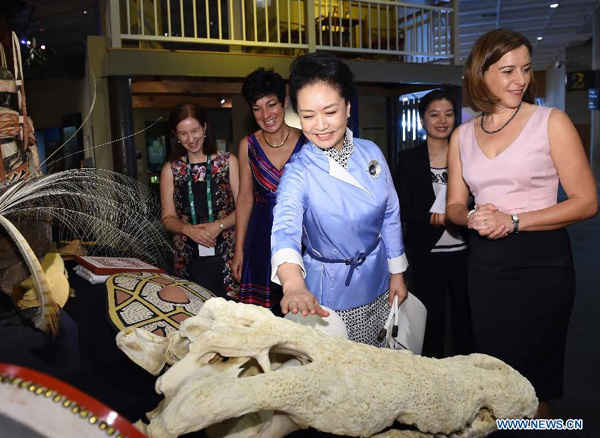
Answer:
(515, 220)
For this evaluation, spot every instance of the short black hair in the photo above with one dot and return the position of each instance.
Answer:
(432, 96)
(261, 83)
(320, 67)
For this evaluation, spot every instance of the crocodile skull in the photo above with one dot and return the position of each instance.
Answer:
(238, 362)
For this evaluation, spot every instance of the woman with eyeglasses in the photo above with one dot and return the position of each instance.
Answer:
(198, 190)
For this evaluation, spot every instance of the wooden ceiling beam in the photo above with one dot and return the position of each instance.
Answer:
(172, 100)
(187, 87)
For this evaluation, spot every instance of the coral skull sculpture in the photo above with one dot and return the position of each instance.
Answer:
(236, 359)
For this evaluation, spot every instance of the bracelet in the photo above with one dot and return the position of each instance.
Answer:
(221, 225)
(470, 213)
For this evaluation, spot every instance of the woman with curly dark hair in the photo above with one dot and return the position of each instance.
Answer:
(263, 156)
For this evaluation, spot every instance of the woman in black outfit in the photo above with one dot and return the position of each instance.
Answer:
(437, 251)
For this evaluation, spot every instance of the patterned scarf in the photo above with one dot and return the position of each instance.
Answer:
(341, 156)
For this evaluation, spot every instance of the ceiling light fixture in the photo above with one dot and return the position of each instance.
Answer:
(540, 38)
(554, 5)
(84, 11)
(43, 47)
(222, 100)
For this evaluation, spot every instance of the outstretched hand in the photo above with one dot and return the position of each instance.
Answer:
(298, 299)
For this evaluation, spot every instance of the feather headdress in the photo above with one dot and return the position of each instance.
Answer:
(118, 213)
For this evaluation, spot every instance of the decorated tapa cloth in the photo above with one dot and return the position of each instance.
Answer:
(152, 301)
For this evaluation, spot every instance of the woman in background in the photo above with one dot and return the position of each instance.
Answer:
(198, 188)
(521, 281)
(337, 200)
(263, 156)
(437, 250)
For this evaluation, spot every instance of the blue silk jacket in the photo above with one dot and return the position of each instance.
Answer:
(339, 213)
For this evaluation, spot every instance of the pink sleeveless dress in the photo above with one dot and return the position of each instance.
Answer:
(521, 288)
(522, 177)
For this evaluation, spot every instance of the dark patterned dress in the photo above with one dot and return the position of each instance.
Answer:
(212, 272)
(256, 286)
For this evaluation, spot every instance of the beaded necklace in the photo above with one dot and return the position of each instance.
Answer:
(503, 126)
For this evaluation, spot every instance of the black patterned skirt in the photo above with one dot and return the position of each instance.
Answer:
(364, 323)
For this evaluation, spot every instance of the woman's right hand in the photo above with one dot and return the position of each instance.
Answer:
(489, 222)
(298, 299)
(200, 235)
(236, 265)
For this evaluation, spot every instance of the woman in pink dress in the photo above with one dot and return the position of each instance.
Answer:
(521, 281)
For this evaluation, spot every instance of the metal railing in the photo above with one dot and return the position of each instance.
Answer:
(407, 32)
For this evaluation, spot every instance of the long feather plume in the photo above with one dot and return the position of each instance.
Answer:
(119, 214)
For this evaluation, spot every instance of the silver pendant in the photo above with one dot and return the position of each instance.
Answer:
(374, 168)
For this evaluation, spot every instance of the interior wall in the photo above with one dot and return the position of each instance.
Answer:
(372, 117)
(241, 119)
(49, 100)
(576, 102)
(140, 117)
(555, 87)
(98, 129)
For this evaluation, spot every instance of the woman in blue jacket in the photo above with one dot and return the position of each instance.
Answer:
(337, 200)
